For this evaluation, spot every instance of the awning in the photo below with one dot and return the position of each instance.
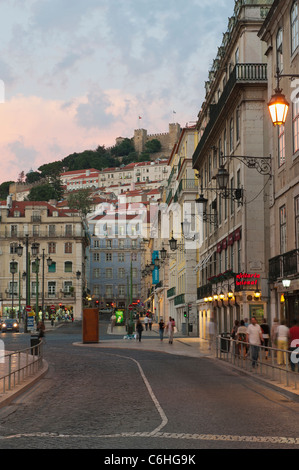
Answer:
(203, 262)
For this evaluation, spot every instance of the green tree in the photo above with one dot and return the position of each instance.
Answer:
(81, 201)
(43, 192)
(33, 177)
(153, 146)
(4, 189)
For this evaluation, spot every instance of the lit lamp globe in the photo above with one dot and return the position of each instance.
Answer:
(278, 108)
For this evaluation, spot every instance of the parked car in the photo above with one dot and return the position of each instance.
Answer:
(10, 324)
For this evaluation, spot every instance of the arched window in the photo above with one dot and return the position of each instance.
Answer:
(294, 26)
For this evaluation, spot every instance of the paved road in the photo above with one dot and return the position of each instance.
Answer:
(95, 398)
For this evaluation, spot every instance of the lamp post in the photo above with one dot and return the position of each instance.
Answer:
(13, 270)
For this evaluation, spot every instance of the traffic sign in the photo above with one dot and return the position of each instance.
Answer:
(28, 308)
(53, 308)
(130, 307)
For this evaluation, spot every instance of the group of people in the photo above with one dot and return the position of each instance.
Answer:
(169, 327)
(252, 336)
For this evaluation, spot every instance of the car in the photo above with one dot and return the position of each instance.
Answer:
(10, 324)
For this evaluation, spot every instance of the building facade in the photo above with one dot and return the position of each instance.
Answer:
(281, 37)
(232, 268)
(62, 237)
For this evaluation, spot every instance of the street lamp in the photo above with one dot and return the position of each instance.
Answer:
(13, 270)
(278, 105)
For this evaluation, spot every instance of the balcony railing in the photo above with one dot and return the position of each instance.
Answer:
(284, 265)
(204, 291)
(179, 299)
(241, 74)
(187, 185)
(171, 292)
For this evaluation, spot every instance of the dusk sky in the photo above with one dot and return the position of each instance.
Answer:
(78, 74)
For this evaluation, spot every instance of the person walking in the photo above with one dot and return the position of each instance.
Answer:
(170, 330)
(283, 335)
(150, 321)
(139, 329)
(113, 321)
(274, 334)
(234, 334)
(294, 344)
(254, 338)
(266, 336)
(161, 328)
(41, 329)
(146, 322)
(241, 339)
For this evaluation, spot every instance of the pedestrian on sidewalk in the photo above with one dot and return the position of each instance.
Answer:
(41, 329)
(161, 328)
(283, 335)
(234, 334)
(139, 329)
(241, 339)
(274, 334)
(255, 339)
(294, 344)
(150, 321)
(146, 322)
(266, 336)
(113, 321)
(170, 329)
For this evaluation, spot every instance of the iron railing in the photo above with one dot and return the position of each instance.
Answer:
(239, 354)
(16, 367)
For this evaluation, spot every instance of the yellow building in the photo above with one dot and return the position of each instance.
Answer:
(58, 235)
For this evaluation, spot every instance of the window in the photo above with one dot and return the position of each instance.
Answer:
(108, 256)
(68, 230)
(134, 256)
(13, 248)
(239, 256)
(237, 56)
(68, 248)
(67, 287)
(109, 273)
(52, 230)
(279, 56)
(238, 124)
(51, 248)
(13, 288)
(52, 267)
(96, 289)
(35, 230)
(14, 230)
(297, 221)
(96, 256)
(220, 152)
(296, 125)
(108, 291)
(231, 135)
(283, 229)
(224, 144)
(294, 27)
(121, 290)
(210, 168)
(97, 273)
(52, 288)
(68, 267)
(232, 202)
(121, 257)
(96, 243)
(108, 243)
(281, 146)
(134, 272)
(121, 273)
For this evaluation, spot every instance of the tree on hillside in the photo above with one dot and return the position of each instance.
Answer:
(43, 192)
(33, 177)
(153, 146)
(81, 201)
(124, 148)
(4, 189)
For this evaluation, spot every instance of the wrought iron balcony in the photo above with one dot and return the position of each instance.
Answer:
(204, 291)
(171, 292)
(179, 299)
(284, 265)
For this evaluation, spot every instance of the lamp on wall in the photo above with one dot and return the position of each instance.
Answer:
(278, 105)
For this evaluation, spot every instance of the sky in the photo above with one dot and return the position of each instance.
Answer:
(75, 74)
